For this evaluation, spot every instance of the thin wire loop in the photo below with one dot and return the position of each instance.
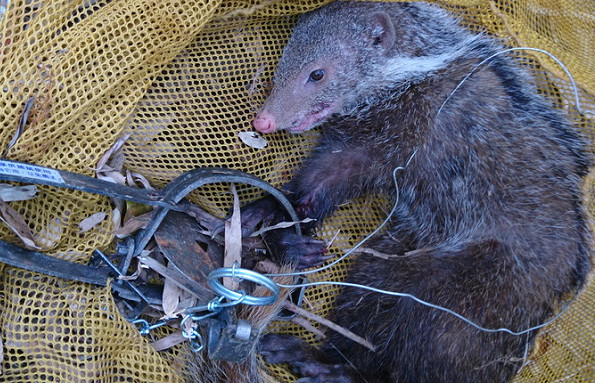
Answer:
(359, 244)
(431, 305)
(243, 274)
(406, 295)
(558, 61)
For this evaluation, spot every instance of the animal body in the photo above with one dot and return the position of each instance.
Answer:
(489, 222)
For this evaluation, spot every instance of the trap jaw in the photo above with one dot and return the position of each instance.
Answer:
(229, 338)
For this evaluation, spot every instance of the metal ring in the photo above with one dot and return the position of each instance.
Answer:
(233, 271)
(218, 288)
(219, 305)
(144, 328)
(196, 342)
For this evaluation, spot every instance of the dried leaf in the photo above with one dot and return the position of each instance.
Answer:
(169, 341)
(21, 127)
(129, 179)
(134, 276)
(133, 224)
(267, 267)
(136, 209)
(91, 221)
(17, 224)
(253, 140)
(204, 218)
(117, 218)
(134, 177)
(186, 301)
(176, 277)
(112, 176)
(280, 225)
(233, 240)
(188, 326)
(101, 164)
(10, 193)
(170, 298)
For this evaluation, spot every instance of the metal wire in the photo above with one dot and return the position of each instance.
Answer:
(243, 274)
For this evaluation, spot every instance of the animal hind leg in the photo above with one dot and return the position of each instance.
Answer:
(480, 280)
(307, 361)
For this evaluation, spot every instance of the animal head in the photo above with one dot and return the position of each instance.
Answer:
(340, 55)
(324, 67)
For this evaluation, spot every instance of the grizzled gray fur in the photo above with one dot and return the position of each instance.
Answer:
(489, 224)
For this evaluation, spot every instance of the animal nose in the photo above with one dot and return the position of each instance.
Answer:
(264, 123)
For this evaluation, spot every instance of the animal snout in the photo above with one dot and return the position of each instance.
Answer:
(264, 123)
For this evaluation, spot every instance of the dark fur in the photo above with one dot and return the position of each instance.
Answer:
(489, 223)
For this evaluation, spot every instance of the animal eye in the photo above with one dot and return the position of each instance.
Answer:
(316, 75)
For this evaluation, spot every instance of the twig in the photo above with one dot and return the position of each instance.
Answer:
(308, 326)
(366, 250)
(325, 322)
(330, 243)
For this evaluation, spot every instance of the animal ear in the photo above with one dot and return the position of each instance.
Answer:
(383, 30)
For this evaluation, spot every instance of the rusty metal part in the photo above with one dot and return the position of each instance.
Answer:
(42, 263)
(178, 237)
(194, 179)
(16, 256)
(229, 338)
(231, 342)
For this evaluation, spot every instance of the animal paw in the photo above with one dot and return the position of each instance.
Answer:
(303, 358)
(264, 210)
(284, 244)
(276, 348)
(301, 250)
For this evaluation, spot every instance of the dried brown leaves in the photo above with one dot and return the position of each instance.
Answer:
(233, 240)
(182, 287)
(91, 221)
(17, 224)
(128, 217)
(10, 193)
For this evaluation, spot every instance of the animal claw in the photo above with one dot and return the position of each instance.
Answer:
(276, 348)
(314, 260)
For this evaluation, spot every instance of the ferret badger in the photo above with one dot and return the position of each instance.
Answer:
(489, 223)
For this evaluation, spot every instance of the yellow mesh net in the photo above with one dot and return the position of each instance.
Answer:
(183, 78)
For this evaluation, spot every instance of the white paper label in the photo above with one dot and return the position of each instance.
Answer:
(30, 171)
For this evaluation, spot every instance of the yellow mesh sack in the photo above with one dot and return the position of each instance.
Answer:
(183, 78)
